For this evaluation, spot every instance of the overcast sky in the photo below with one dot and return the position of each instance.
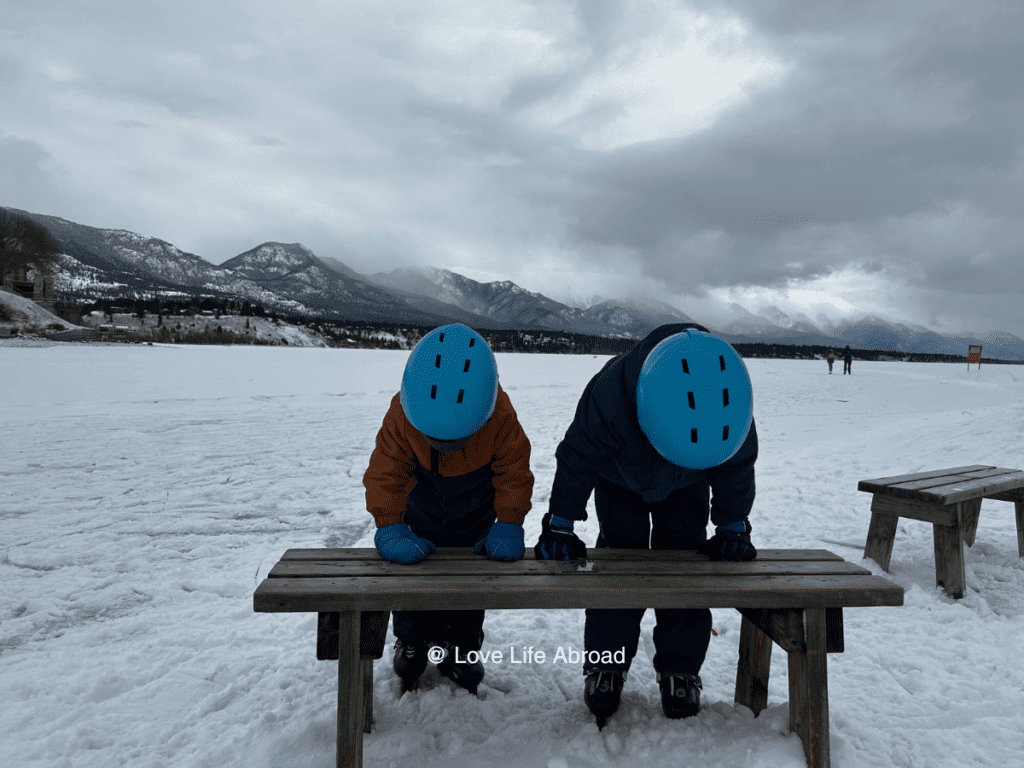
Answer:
(822, 157)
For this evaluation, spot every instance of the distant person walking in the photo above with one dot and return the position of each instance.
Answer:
(830, 357)
(847, 360)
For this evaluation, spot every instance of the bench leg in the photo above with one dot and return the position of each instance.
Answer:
(366, 666)
(351, 708)
(881, 536)
(969, 512)
(373, 630)
(949, 559)
(1019, 504)
(808, 690)
(753, 668)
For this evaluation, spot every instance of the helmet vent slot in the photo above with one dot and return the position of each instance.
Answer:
(465, 368)
(437, 362)
(721, 361)
(725, 398)
(693, 435)
(693, 405)
(461, 393)
(472, 341)
(725, 432)
(433, 392)
(440, 337)
(686, 368)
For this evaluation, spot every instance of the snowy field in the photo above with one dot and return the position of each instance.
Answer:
(146, 491)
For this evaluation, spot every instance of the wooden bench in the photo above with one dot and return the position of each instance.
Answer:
(949, 499)
(792, 597)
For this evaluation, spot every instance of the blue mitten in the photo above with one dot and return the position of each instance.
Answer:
(730, 542)
(504, 541)
(557, 541)
(398, 544)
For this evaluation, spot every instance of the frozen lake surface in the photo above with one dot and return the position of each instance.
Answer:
(145, 492)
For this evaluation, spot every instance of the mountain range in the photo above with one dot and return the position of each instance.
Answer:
(289, 278)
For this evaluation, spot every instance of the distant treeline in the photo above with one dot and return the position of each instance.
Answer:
(368, 334)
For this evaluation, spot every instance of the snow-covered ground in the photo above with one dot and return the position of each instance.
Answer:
(18, 314)
(146, 491)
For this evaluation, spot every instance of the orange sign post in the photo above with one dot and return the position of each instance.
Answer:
(973, 355)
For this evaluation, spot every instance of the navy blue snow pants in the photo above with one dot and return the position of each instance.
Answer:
(681, 636)
(461, 628)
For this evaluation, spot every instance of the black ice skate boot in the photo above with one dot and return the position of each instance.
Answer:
(466, 674)
(409, 662)
(680, 694)
(602, 692)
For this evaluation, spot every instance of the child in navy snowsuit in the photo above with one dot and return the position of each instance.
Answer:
(643, 501)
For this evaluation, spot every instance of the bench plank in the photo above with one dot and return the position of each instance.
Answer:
(466, 553)
(368, 593)
(879, 484)
(434, 568)
(965, 491)
(935, 482)
(949, 489)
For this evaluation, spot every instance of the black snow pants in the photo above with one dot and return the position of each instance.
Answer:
(681, 636)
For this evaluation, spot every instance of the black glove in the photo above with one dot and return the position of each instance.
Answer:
(730, 542)
(557, 541)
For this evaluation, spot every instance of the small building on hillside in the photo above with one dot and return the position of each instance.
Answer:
(40, 288)
(32, 285)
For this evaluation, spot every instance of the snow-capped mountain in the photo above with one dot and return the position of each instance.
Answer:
(772, 326)
(515, 307)
(107, 263)
(771, 322)
(503, 301)
(637, 317)
(102, 263)
(294, 271)
(799, 322)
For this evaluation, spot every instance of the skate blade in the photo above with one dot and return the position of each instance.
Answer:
(601, 722)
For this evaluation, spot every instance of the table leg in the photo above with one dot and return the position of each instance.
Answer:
(753, 667)
(351, 708)
(881, 536)
(949, 558)
(808, 690)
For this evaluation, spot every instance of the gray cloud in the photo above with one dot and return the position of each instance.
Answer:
(893, 141)
(30, 175)
(875, 150)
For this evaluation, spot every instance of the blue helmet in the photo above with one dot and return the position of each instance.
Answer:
(694, 400)
(450, 384)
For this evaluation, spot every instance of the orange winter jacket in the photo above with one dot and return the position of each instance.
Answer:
(450, 493)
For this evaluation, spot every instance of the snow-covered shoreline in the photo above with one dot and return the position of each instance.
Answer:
(146, 492)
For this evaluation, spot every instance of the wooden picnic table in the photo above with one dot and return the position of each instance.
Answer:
(792, 597)
(949, 499)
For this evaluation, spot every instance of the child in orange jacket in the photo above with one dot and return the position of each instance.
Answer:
(451, 468)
